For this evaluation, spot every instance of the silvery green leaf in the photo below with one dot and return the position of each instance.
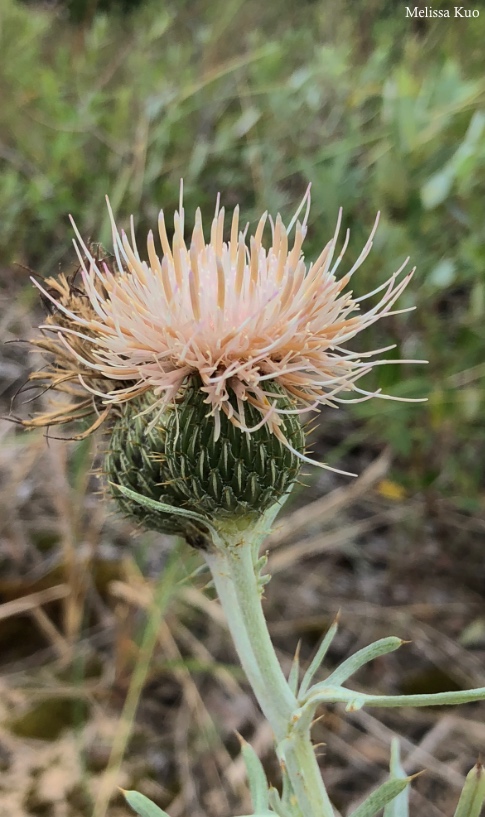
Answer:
(473, 794)
(258, 785)
(319, 657)
(142, 805)
(277, 804)
(356, 661)
(295, 671)
(399, 806)
(380, 797)
(321, 694)
(152, 504)
(462, 696)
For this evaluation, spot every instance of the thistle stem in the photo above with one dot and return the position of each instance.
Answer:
(237, 584)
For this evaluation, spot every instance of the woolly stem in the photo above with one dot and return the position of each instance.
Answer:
(238, 585)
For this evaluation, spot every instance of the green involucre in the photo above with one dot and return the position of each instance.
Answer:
(178, 461)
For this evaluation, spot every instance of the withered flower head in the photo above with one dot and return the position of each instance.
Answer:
(64, 371)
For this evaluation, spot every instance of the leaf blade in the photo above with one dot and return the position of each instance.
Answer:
(142, 805)
(258, 784)
(399, 806)
(473, 793)
(381, 797)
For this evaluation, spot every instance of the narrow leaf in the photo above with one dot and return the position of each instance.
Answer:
(258, 784)
(356, 661)
(152, 504)
(323, 694)
(295, 671)
(399, 806)
(142, 805)
(319, 656)
(380, 797)
(277, 804)
(473, 794)
(462, 696)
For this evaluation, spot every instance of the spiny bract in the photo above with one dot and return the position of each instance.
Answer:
(179, 462)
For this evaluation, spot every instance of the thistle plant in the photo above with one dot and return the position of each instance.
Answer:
(199, 365)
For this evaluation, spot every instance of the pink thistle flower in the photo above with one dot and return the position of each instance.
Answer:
(239, 312)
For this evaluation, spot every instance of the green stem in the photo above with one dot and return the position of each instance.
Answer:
(237, 585)
(305, 776)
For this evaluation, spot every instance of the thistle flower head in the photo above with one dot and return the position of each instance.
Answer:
(238, 311)
(202, 355)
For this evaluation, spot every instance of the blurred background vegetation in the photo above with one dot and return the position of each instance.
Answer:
(255, 100)
(378, 111)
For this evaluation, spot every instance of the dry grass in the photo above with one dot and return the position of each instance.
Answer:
(97, 692)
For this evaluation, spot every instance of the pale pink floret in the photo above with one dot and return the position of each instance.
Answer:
(236, 312)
